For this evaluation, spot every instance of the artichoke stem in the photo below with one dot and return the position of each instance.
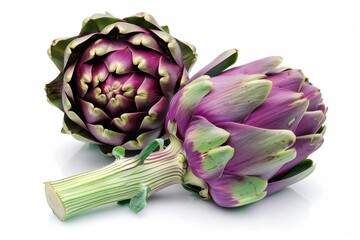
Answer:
(121, 180)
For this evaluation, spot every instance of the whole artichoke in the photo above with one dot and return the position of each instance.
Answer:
(117, 78)
(248, 131)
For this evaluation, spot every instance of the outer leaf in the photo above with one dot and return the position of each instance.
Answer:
(56, 51)
(166, 29)
(97, 22)
(219, 64)
(173, 45)
(54, 91)
(144, 20)
(297, 173)
(261, 66)
(189, 55)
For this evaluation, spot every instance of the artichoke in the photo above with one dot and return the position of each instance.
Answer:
(236, 136)
(247, 132)
(117, 78)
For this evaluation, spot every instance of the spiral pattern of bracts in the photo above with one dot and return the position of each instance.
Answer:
(117, 80)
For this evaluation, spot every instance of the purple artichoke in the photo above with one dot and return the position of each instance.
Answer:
(117, 78)
(236, 136)
(248, 131)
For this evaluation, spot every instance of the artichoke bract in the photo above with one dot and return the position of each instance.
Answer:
(117, 78)
(236, 136)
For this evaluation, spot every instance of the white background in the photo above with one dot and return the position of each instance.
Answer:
(320, 37)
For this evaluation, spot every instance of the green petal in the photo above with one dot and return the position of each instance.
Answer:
(219, 64)
(297, 173)
(144, 20)
(166, 29)
(73, 44)
(235, 191)
(56, 51)
(54, 91)
(249, 190)
(189, 55)
(97, 22)
(202, 144)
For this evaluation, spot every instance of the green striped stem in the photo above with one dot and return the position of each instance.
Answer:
(132, 179)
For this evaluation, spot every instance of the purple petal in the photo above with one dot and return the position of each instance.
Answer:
(156, 115)
(128, 122)
(146, 61)
(313, 94)
(283, 109)
(261, 66)
(304, 145)
(99, 74)
(119, 61)
(132, 84)
(118, 105)
(257, 151)
(290, 79)
(277, 70)
(233, 191)
(96, 97)
(101, 47)
(234, 104)
(170, 76)
(310, 123)
(322, 107)
(93, 114)
(147, 94)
